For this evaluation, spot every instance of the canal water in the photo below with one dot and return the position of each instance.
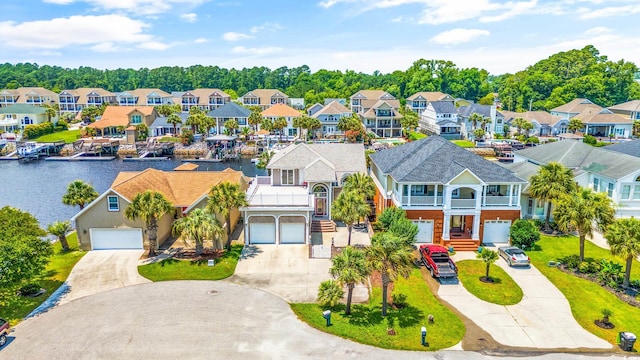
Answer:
(37, 187)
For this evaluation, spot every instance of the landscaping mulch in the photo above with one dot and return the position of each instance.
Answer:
(190, 254)
(631, 300)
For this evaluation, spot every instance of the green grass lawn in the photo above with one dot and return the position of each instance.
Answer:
(169, 139)
(172, 269)
(68, 136)
(503, 291)
(586, 298)
(414, 135)
(14, 308)
(464, 143)
(366, 324)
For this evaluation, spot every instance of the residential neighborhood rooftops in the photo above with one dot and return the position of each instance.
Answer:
(633, 105)
(230, 110)
(437, 160)
(119, 116)
(598, 115)
(22, 109)
(161, 121)
(523, 170)
(626, 147)
(443, 107)
(332, 108)
(278, 110)
(466, 111)
(541, 117)
(430, 96)
(186, 167)
(576, 106)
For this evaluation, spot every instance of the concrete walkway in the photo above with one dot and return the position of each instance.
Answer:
(103, 270)
(542, 319)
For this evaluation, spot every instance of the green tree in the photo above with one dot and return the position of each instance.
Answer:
(475, 119)
(583, 211)
(266, 124)
(361, 183)
(349, 268)
(51, 111)
(549, 184)
(198, 226)
(330, 293)
(389, 256)
(255, 118)
(349, 207)
(409, 121)
(232, 125)
(222, 199)
(575, 124)
(175, 120)
(623, 236)
(279, 124)
(90, 113)
(488, 256)
(149, 206)
(312, 125)
(478, 134)
(25, 252)
(390, 215)
(79, 193)
(143, 131)
(636, 128)
(405, 229)
(519, 123)
(60, 229)
(524, 233)
(263, 160)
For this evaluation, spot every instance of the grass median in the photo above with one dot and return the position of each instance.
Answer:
(502, 291)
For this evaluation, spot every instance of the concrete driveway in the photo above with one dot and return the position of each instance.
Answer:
(103, 270)
(542, 319)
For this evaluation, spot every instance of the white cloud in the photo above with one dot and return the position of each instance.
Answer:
(73, 31)
(106, 47)
(513, 10)
(330, 3)
(268, 26)
(190, 17)
(59, 2)
(153, 45)
(598, 30)
(201, 40)
(611, 11)
(144, 7)
(458, 36)
(236, 36)
(256, 51)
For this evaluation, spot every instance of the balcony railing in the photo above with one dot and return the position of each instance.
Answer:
(280, 199)
(463, 203)
(421, 200)
(491, 200)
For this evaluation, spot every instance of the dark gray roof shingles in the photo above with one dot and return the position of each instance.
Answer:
(230, 110)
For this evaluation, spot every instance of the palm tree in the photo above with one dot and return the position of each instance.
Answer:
(575, 124)
(489, 257)
(349, 268)
(329, 293)
(195, 121)
(409, 121)
(264, 159)
(245, 132)
(312, 125)
(175, 120)
(266, 124)
(389, 256)
(254, 119)
(349, 207)
(580, 210)
(475, 119)
(79, 193)
(198, 226)
(301, 123)
(279, 124)
(518, 123)
(149, 206)
(360, 183)
(224, 197)
(60, 229)
(51, 111)
(232, 125)
(552, 181)
(624, 238)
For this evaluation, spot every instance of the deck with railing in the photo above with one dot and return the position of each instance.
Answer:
(262, 194)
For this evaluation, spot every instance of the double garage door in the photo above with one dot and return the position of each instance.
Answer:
(496, 231)
(114, 239)
(425, 231)
(265, 233)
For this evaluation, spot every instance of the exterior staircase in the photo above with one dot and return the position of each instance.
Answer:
(462, 244)
(323, 226)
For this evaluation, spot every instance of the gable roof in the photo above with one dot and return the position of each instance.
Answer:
(466, 111)
(181, 188)
(576, 106)
(265, 95)
(523, 170)
(633, 105)
(119, 115)
(598, 115)
(541, 117)
(230, 110)
(333, 108)
(431, 96)
(281, 110)
(581, 157)
(161, 121)
(83, 94)
(22, 109)
(626, 147)
(437, 160)
(443, 107)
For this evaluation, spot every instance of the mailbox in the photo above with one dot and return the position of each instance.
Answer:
(327, 315)
(424, 336)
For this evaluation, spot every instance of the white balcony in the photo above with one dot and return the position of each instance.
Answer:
(463, 203)
(262, 194)
(421, 200)
(496, 200)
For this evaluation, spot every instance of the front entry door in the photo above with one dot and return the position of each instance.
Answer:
(321, 207)
(321, 195)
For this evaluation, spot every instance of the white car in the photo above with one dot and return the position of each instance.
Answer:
(514, 256)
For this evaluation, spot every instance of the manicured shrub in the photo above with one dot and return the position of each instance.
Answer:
(62, 125)
(29, 289)
(589, 139)
(405, 229)
(399, 300)
(389, 216)
(524, 233)
(571, 262)
(34, 131)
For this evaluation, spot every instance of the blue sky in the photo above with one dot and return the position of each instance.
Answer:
(362, 35)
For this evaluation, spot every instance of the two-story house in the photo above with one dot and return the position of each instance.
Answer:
(304, 180)
(143, 97)
(28, 95)
(116, 119)
(204, 99)
(230, 111)
(264, 98)
(495, 125)
(15, 117)
(283, 111)
(329, 116)
(73, 101)
(440, 118)
(544, 124)
(598, 121)
(379, 111)
(418, 102)
(629, 109)
(455, 197)
(600, 169)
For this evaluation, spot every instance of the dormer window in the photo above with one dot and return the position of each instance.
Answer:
(136, 119)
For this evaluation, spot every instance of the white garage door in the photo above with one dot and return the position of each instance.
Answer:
(292, 233)
(108, 239)
(262, 233)
(425, 231)
(496, 231)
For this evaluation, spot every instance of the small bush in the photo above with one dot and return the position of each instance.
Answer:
(34, 131)
(571, 262)
(389, 216)
(589, 139)
(589, 266)
(399, 300)
(524, 233)
(29, 289)
(62, 125)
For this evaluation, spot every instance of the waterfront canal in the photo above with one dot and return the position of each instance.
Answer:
(37, 187)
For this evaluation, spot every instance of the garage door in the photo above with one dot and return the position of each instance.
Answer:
(108, 239)
(425, 231)
(496, 231)
(292, 233)
(262, 233)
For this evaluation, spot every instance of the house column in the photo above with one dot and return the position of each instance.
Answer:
(435, 195)
(446, 227)
(484, 196)
(510, 194)
(478, 189)
(408, 194)
(447, 197)
(246, 228)
(475, 235)
(278, 230)
(307, 235)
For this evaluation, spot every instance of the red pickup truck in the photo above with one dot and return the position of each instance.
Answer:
(4, 331)
(436, 259)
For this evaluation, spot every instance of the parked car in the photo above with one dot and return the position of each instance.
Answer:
(436, 259)
(514, 256)
(4, 331)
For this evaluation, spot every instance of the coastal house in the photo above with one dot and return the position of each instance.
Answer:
(230, 111)
(418, 102)
(116, 119)
(141, 97)
(379, 112)
(455, 197)
(204, 99)
(629, 109)
(28, 95)
(598, 121)
(16, 116)
(160, 126)
(283, 111)
(329, 116)
(73, 101)
(494, 126)
(544, 123)
(304, 181)
(600, 169)
(102, 224)
(440, 118)
(314, 109)
(264, 98)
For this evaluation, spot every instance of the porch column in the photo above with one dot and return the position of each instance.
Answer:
(446, 227)
(447, 197)
(477, 193)
(476, 226)
(484, 196)
(518, 194)
(435, 195)
(246, 228)
(510, 194)
(408, 194)
(278, 230)
(307, 235)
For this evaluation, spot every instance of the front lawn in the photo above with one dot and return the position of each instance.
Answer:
(586, 298)
(173, 269)
(464, 143)
(68, 136)
(169, 139)
(366, 324)
(14, 308)
(503, 291)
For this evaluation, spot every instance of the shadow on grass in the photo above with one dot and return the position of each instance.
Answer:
(367, 315)
(168, 261)
(492, 280)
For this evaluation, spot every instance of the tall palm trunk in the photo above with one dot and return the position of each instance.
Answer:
(152, 229)
(199, 246)
(64, 243)
(385, 285)
(582, 239)
(486, 275)
(349, 238)
(627, 272)
(228, 220)
(547, 228)
(350, 287)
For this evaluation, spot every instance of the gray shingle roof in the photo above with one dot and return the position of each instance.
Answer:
(437, 160)
(443, 107)
(628, 147)
(344, 158)
(466, 111)
(22, 109)
(523, 170)
(229, 110)
(161, 121)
